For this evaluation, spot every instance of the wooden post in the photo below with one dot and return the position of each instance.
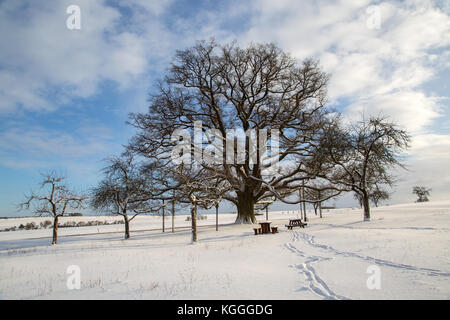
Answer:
(217, 217)
(300, 203)
(173, 215)
(267, 213)
(163, 226)
(320, 204)
(304, 203)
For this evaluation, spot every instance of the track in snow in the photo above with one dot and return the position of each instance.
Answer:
(315, 283)
(311, 241)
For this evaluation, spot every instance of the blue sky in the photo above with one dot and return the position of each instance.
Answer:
(65, 94)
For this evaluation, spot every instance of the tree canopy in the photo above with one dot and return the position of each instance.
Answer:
(225, 90)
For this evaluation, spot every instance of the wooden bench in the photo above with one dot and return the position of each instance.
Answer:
(295, 223)
(257, 231)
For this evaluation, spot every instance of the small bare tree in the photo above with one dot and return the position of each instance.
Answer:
(422, 193)
(198, 187)
(363, 155)
(56, 200)
(187, 184)
(126, 188)
(378, 195)
(317, 192)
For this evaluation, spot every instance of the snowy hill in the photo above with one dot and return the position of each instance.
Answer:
(402, 253)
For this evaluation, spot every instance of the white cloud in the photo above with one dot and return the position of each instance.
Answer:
(427, 166)
(431, 146)
(152, 6)
(44, 64)
(412, 110)
(43, 143)
(368, 66)
(16, 89)
(375, 71)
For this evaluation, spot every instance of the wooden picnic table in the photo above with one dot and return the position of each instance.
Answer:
(295, 223)
(265, 226)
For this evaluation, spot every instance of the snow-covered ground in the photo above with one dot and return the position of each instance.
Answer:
(405, 247)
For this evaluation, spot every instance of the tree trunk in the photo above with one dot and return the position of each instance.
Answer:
(217, 217)
(366, 206)
(246, 212)
(55, 230)
(194, 222)
(127, 227)
(320, 209)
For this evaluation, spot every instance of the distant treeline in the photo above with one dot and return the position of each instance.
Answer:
(69, 224)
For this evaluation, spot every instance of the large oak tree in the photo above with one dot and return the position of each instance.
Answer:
(226, 87)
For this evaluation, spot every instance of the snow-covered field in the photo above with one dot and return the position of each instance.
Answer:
(405, 247)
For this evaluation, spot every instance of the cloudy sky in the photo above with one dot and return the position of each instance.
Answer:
(65, 93)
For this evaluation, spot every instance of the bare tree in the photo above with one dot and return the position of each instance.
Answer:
(316, 193)
(378, 195)
(363, 155)
(422, 193)
(200, 188)
(226, 88)
(190, 184)
(125, 189)
(55, 200)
